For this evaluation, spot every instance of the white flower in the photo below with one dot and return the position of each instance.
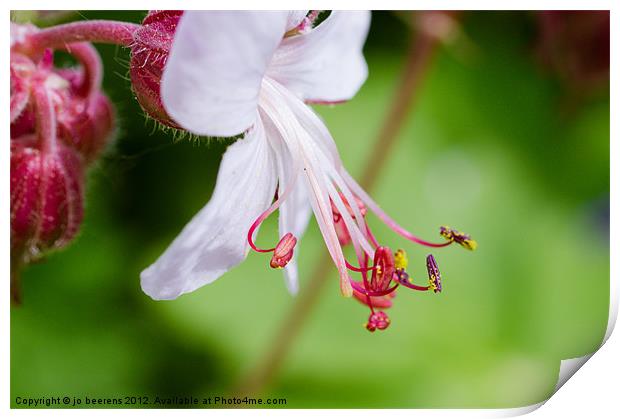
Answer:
(253, 72)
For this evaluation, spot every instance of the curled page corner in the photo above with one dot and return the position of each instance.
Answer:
(519, 411)
(568, 367)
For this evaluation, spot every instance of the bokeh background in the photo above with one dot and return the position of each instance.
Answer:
(508, 140)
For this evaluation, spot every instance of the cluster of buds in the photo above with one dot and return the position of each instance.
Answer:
(61, 120)
(60, 123)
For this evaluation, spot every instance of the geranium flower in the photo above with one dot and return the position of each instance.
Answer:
(254, 73)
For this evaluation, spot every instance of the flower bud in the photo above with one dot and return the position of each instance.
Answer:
(21, 72)
(87, 124)
(46, 198)
(84, 115)
(149, 53)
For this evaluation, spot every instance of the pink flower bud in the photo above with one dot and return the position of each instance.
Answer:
(21, 72)
(85, 117)
(87, 124)
(149, 53)
(46, 197)
(60, 121)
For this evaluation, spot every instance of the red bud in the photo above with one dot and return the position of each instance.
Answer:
(149, 53)
(46, 198)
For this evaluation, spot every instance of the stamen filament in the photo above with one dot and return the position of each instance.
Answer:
(368, 293)
(359, 191)
(356, 269)
(276, 204)
(414, 287)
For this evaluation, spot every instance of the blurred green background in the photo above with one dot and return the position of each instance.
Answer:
(500, 144)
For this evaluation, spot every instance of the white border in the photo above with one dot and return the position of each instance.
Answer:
(594, 393)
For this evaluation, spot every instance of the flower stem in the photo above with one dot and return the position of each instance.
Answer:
(87, 55)
(103, 31)
(16, 286)
(45, 119)
(419, 57)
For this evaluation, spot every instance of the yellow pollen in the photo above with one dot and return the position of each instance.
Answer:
(400, 259)
(431, 282)
(470, 244)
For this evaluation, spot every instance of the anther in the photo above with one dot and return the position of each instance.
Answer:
(400, 259)
(434, 276)
(461, 238)
(283, 252)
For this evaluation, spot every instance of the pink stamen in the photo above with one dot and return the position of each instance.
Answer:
(355, 213)
(356, 269)
(357, 287)
(359, 191)
(283, 251)
(276, 204)
(371, 236)
(254, 226)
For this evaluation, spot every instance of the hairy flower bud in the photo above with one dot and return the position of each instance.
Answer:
(149, 53)
(60, 122)
(87, 124)
(46, 198)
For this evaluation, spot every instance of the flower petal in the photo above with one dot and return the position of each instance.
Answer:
(295, 214)
(295, 209)
(215, 240)
(326, 64)
(213, 74)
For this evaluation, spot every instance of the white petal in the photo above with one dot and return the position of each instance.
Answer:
(295, 210)
(294, 217)
(326, 64)
(215, 240)
(280, 106)
(295, 214)
(212, 77)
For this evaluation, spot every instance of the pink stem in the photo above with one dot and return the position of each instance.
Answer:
(103, 31)
(87, 55)
(45, 118)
